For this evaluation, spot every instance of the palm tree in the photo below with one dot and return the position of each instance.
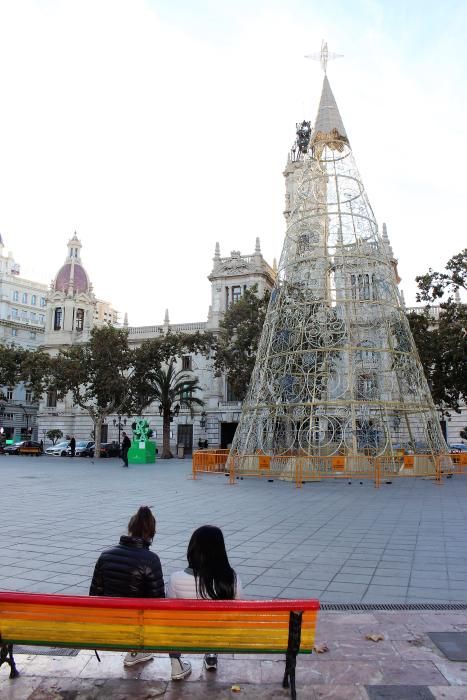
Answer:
(173, 389)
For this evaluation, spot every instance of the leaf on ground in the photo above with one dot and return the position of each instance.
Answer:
(235, 689)
(321, 648)
(375, 637)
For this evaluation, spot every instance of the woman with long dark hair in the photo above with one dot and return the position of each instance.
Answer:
(208, 574)
(131, 570)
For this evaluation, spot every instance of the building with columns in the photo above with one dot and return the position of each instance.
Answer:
(72, 311)
(22, 323)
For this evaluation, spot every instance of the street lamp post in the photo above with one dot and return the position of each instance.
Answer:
(3, 404)
(118, 421)
(26, 414)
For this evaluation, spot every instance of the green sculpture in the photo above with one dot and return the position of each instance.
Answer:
(142, 450)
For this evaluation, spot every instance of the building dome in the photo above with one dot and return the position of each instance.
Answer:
(74, 272)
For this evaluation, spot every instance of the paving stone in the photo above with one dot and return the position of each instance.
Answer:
(399, 692)
(266, 528)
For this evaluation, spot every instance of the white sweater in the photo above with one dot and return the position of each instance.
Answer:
(183, 585)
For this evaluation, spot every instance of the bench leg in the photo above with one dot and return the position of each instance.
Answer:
(289, 675)
(295, 630)
(6, 657)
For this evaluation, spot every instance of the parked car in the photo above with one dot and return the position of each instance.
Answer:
(58, 450)
(83, 448)
(458, 447)
(25, 447)
(108, 449)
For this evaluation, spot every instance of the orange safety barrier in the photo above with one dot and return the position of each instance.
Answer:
(301, 468)
(314, 468)
(209, 461)
(459, 462)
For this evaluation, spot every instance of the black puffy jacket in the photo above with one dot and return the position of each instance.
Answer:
(129, 570)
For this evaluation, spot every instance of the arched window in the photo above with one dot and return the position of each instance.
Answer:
(79, 319)
(58, 318)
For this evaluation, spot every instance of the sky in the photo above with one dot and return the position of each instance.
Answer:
(154, 128)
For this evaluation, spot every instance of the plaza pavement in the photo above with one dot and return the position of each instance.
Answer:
(339, 542)
(404, 542)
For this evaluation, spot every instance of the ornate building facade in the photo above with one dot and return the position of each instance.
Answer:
(72, 310)
(22, 323)
(33, 315)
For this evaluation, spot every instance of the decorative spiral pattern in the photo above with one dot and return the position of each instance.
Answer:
(336, 370)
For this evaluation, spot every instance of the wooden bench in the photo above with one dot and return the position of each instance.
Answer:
(159, 625)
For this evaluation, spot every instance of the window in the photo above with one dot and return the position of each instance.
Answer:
(51, 398)
(236, 294)
(14, 332)
(32, 335)
(14, 313)
(24, 315)
(185, 394)
(25, 298)
(367, 386)
(15, 295)
(186, 362)
(58, 319)
(33, 316)
(43, 301)
(360, 287)
(230, 393)
(79, 319)
(9, 416)
(9, 393)
(303, 244)
(28, 397)
(33, 299)
(41, 319)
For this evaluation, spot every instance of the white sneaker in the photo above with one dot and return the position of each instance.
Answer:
(135, 657)
(180, 669)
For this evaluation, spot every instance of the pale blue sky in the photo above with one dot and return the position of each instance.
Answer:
(157, 128)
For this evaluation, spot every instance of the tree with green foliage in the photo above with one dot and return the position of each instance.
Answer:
(237, 343)
(442, 341)
(173, 389)
(98, 375)
(55, 435)
(435, 285)
(36, 372)
(10, 365)
(30, 367)
(156, 379)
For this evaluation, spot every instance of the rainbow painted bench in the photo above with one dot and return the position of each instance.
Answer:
(155, 624)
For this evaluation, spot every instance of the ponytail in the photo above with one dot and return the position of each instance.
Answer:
(142, 524)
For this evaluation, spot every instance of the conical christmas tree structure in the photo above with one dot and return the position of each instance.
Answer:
(337, 371)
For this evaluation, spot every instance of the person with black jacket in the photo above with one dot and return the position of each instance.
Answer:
(131, 570)
(126, 444)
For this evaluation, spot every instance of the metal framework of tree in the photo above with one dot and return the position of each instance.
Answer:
(337, 371)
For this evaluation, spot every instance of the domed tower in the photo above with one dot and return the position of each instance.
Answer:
(71, 303)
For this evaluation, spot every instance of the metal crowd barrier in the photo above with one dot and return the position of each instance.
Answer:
(301, 469)
(209, 461)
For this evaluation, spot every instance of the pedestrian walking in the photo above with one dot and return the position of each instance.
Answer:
(72, 446)
(208, 574)
(126, 444)
(131, 570)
